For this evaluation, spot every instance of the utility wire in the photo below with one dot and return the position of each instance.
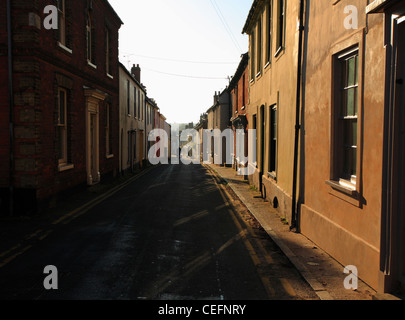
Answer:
(177, 60)
(186, 76)
(225, 24)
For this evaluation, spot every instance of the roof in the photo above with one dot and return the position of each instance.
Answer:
(379, 6)
(252, 13)
(152, 102)
(201, 123)
(132, 77)
(112, 9)
(239, 71)
(217, 102)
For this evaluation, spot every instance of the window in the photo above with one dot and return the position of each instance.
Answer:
(61, 22)
(346, 90)
(243, 91)
(108, 52)
(128, 97)
(142, 106)
(273, 140)
(129, 135)
(252, 58)
(259, 46)
(236, 94)
(254, 126)
(268, 31)
(90, 40)
(135, 113)
(139, 104)
(280, 25)
(62, 126)
(108, 130)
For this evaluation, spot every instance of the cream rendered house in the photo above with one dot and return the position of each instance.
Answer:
(132, 115)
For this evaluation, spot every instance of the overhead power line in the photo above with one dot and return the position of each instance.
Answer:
(178, 60)
(225, 24)
(187, 76)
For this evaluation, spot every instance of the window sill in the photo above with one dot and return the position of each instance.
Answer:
(60, 45)
(65, 167)
(258, 75)
(272, 175)
(345, 188)
(91, 64)
(109, 156)
(110, 76)
(267, 65)
(278, 52)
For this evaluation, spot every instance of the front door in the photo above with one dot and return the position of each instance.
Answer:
(141, 149)
(262, 144)
(93, 100)
(94, 170)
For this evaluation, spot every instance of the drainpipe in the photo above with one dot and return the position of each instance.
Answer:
(297, 120)
(145, 133)
(11, 106)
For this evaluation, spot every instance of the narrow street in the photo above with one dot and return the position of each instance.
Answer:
(169, 235)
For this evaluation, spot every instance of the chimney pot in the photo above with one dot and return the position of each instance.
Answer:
(136, 72)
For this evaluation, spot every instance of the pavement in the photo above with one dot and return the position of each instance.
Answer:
(324, 274)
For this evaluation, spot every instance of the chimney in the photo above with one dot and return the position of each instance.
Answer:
(136, 72)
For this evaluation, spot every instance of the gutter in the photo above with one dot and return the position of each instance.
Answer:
(294, 224)
(11, 107)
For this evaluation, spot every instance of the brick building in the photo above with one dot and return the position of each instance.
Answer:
(239, 88)
(61, 102)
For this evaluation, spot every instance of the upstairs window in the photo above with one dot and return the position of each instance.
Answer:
(280, 25)
(108, 52)
(259, 46)
(269, 31)
(61, 22)
(129, 97)
(135, 108)
(253, 55)
(90, 40)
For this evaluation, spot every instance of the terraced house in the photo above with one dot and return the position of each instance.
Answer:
(352, 149)
(239, 118)
(59, 99)
(327, 99)
(273, 46)
(132, 119)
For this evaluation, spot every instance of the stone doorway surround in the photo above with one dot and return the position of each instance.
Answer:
(92, 118)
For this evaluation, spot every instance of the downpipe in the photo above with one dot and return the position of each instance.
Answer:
(294, 224)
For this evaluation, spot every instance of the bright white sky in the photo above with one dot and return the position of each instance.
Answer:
(169, 36)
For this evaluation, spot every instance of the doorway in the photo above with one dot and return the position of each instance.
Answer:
(93, 99)
(94, 170)
(262, 144)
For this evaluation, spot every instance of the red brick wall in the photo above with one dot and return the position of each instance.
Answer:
(240, 98)
(4, 106)
(237, 94)
(40, 65)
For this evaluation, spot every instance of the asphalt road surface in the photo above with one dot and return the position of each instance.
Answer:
(170, 235)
